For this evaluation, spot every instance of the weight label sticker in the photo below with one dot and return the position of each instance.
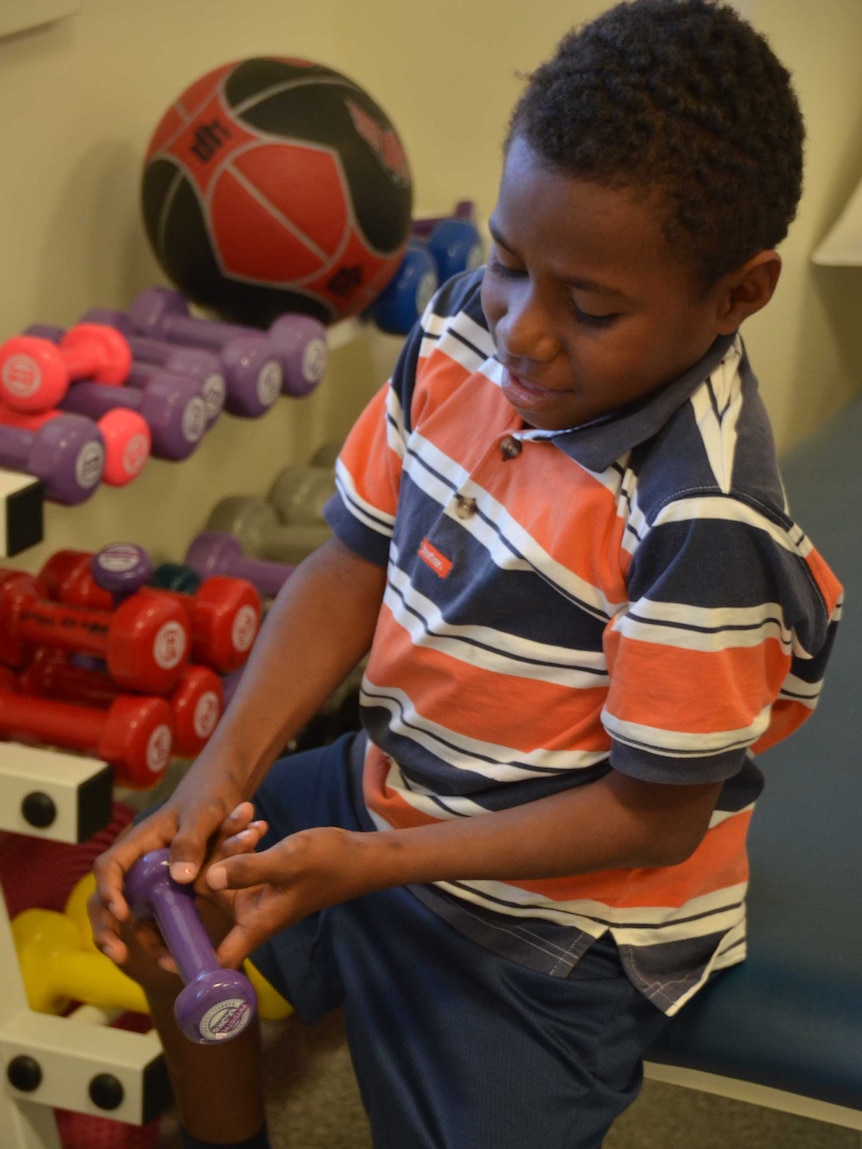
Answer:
(206, 714)
(90, 465)
(214, 394)
(225, 1020)
(119, 558)
(314, 360)
(194, 419)
(169, 646)
(136, 454)
(269, 383)
(159, 749)
(21, 376)
(244, 628)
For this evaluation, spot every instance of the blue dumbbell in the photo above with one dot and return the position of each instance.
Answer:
(439, 248)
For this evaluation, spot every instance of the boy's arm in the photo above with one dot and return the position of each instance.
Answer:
(616, 822)
(318, 628)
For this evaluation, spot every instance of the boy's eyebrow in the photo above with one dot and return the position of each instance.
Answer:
(581, 283)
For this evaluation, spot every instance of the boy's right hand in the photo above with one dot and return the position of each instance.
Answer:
(189, 824)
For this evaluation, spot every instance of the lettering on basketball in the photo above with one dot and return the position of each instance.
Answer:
(345, 281)
(433, 558)
(209, 139)
(382, 140)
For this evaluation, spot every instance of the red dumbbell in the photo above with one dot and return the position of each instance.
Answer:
(196, 700)
(145, 641)
(126, 434)
(134, 735)
(35, 373)
(224, 612)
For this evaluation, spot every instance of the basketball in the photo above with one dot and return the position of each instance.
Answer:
(273, 185)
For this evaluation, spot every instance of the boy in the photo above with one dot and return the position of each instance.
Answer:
(561, 536)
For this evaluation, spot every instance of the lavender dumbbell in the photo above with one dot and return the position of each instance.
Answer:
(152, 354)
(67, 454)
(217, 1003)
(298, 342)
(172, 407)
(220, 553)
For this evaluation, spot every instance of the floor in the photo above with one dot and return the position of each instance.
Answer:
(314, 1103)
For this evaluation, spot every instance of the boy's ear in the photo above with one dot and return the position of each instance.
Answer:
(747, 289)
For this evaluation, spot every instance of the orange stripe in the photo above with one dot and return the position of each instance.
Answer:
(692, 691)
(719, 862)
(455, 695)
(444, 387)
(378, 485)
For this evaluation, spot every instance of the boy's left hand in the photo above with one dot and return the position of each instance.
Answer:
(267, 891)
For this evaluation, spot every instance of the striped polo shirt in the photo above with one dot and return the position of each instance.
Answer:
(631, 593)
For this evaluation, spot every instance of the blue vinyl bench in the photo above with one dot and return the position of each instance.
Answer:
(785, 1028)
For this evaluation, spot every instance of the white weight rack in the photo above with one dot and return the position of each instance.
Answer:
(57, 1058)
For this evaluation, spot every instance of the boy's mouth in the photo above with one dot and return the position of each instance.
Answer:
(524, 393)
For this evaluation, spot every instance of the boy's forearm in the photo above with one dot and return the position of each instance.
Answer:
(317, 630)
(614, 823)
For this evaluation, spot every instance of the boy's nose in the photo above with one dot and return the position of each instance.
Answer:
(526, 330)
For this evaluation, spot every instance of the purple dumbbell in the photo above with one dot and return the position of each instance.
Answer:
(220, 553)
(172, 407)
(148, 354)
(67, 454)
(217, 1003)
(251, 373)
(298, 342)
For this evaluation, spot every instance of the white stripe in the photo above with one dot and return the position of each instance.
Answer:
(795, 689)
(494, 526)
(396, 435)
(702, 628)
(676, 744)
(487, 759)
(488, 649)
(719, 436)
(719, 816)
(367, 513)
(731, 510)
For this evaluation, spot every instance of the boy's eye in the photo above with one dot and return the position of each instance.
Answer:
(588, 320)
(494, 265)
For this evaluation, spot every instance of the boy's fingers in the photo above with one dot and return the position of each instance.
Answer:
(243, 870)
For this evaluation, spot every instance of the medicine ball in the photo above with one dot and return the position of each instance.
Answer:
(273, 185)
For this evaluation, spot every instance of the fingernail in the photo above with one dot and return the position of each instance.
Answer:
(217, 877)
(182, 871)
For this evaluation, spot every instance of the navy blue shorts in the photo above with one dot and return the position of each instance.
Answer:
(453, 1046)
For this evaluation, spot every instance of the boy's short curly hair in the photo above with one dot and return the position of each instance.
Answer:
(685, 97)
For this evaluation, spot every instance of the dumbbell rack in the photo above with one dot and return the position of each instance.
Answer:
(57, 1062)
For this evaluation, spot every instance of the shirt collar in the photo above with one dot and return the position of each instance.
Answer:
(597, 444)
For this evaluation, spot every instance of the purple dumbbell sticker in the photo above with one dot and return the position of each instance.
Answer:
(217, 1003)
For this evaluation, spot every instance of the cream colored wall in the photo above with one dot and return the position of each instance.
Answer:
(82, 96)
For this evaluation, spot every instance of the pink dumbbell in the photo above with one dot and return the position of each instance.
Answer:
(35, 373)
(126, 435)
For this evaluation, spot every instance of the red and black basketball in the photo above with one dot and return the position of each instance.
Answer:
(275, 185)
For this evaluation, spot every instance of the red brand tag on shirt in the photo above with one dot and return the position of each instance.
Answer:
(435, 560)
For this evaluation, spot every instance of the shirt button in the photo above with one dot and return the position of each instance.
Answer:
(510, 448)
(464, 507)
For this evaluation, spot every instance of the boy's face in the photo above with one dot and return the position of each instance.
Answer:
(588, 309)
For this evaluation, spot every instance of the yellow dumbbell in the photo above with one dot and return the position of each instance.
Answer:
(57, 969)
(271, 1005)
